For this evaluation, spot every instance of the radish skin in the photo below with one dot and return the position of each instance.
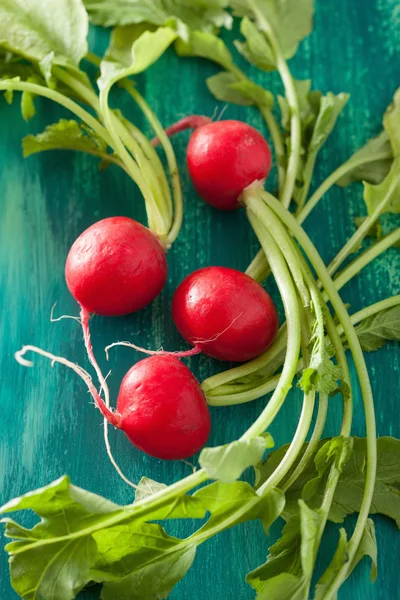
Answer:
(116, 267)
(225, 313)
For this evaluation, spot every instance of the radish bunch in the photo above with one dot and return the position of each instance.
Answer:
(117, 266)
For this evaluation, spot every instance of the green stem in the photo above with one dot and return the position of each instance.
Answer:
(120, 138)
(362, 372)
(170, 155)
(291, 306)
(312, 444)
(355, 241)
(277, 140)
(334, 177)
(308, 173)
(293, 102)
(366, 257)
(295, 446)
(76, 109)
(258, 268)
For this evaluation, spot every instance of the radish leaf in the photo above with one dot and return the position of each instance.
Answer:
(65, 135)
(205, 45)
(224, 86)
(228, 462)
(371, 163)
(291, 20)
(205, 15)
(367, 547)
(287, 573)
(374, 331)
(350, 488)
(59, 27)
(256, 48)
(132, 51)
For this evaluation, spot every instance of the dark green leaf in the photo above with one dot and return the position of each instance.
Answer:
(205, 45)
(290, 20)
(203, 15)
(287, 573)
(374, 331)
(367, 547)
(59, 26)
(228, 462)
(350, 488)
(64, 135)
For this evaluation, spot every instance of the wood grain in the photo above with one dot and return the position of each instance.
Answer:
(48, 425)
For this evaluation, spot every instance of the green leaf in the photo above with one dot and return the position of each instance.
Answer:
(132, 51)
(146, 487)
(224, 86)
(205, 45)
(290, 20)
(350, 488)
(322, 374)
(58, 569)
(330, 108)
(139, 561)
(237, 502)
(63, 135)
(367, 547)
(374, 331)
(256, 48)
(391, 123)
(386, 193)
(203, 15)
(371, 163)
(228, 462)
(287, 573)
(60, 26)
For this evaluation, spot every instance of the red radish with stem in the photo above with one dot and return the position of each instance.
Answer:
(223, 157)
(160, 407)
(225, 313)
(116, 267)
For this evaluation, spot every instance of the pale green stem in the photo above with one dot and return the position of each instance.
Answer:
(171, 159)
(366, 257)
(355, 241)
(312, 444)
(293, 102)
(333, 178)
(291, 306)
(362, 372)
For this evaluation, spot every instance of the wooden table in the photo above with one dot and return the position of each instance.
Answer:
(48, 424)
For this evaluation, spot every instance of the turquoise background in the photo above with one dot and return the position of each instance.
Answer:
(48, 424)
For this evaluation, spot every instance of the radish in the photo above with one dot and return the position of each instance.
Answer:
(225, 313)
(160, 407)
(223, 157)
(115, 267)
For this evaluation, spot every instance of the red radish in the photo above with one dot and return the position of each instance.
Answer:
(224, 157)
(225, 313)
(160, 407)
(116, 267)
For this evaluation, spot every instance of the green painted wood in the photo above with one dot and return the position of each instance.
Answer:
(48, 425)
